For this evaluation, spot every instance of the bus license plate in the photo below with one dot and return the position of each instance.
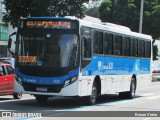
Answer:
(41, 89)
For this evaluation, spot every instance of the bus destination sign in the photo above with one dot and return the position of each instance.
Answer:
(49, 24)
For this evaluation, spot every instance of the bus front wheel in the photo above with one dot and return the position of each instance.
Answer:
(93, 97)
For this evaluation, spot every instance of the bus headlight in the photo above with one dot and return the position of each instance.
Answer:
(18, 79)
(70, 81)
(67, 82)
(73, 79)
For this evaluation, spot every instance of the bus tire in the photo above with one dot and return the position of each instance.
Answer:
(93, 97)
(41, 99)
(17, 96)
(132, 92)
(129, 94)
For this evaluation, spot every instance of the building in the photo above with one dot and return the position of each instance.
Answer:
(3, 32)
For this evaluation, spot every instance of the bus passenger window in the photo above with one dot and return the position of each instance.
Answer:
(147, 49)
(118, 45)
(141, 48)
(108, 44)
(126, 46)
(134, 47)
(98, 42)
(86, 47)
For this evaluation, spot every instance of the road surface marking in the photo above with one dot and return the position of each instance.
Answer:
(153, 97)
(2, 110)
(147, 119)
(14, 100)
(29, 118)
(147, 94)
(101, 104)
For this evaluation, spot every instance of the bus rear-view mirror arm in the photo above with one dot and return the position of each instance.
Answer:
(10, 43)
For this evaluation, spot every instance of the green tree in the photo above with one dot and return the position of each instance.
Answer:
(94, 12)
(155, 52)
(127, 12)
(25, 8)
(94, 3)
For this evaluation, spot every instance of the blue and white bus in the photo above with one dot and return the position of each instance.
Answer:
(71, 57)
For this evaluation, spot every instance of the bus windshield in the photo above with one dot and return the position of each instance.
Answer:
(47, 48)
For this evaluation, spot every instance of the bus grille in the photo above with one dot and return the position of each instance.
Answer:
(50, 88)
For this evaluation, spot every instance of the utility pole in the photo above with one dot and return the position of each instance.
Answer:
(141, 17)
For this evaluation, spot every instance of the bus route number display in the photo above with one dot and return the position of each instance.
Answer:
(30, 59)
(49, 24)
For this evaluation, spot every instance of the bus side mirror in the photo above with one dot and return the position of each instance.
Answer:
(10, 43)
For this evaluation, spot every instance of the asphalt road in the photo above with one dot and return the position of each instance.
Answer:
(146, 106)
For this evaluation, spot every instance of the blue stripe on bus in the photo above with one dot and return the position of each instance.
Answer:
(101, 65)
(46, 80)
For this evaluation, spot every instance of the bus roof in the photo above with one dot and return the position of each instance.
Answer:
(112, 28)
(100, 25)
